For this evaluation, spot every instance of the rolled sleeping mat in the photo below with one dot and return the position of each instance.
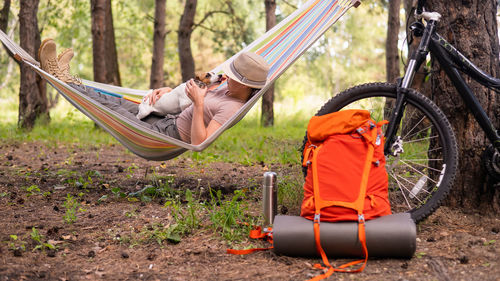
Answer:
(392, 236)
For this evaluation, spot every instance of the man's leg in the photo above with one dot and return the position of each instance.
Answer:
(129, 110)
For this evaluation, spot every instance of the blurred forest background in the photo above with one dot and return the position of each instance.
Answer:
(351, 52)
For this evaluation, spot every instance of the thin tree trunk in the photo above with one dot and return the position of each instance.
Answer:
(156, 78)
(104, 53)
(267, 118)
(184, 40)
(4, 22)
(33, 101)
(4, 15)
(391, 44)
(471, 26)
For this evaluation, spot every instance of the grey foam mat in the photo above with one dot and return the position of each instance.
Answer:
(392, 236)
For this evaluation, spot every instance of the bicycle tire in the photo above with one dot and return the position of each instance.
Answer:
(416, 185)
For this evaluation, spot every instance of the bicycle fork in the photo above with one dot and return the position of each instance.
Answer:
(416, 60)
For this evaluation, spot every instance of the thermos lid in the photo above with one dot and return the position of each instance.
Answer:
(269, 178)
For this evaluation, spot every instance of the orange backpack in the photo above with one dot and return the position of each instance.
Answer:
(346, 177)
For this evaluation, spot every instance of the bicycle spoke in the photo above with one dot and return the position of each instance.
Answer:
(409, 191)
(423, 152)
(417, 171)
(421, 119)
(402, 192)
(421, 165)
(421, 139)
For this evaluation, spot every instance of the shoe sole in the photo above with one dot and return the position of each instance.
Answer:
(42, 45)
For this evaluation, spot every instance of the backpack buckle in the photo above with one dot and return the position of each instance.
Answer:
(267, 230)
(316, 218)
(361, 218)
(378, 140)
(361, 130)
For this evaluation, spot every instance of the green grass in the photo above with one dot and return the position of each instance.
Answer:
(67, 126)
(246, 143)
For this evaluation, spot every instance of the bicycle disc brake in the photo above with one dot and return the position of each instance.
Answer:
(397, 149)
(491, 162)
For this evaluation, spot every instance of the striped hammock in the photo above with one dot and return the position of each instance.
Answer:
(280, 47)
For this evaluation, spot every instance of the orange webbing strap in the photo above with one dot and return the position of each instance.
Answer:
(359, 205)
(256, 233)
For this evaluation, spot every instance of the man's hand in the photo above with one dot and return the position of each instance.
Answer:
(156, 94)
(195, 93)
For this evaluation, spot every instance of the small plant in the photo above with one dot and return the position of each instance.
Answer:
(130, 214)
(420, 255)
(72, 208)
(228, 217)
(32, 190)
(39, 239)
(186, 219)
(16, 244)
(131, 170)
(118, 192)
(491, 242)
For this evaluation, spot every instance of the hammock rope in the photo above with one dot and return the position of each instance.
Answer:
(281, 47)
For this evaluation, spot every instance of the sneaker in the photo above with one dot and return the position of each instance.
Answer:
(48, 57)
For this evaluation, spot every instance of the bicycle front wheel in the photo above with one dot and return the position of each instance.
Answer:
(423, 161)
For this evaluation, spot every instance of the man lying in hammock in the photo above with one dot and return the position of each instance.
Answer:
(210, 109)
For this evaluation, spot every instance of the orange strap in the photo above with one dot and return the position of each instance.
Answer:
(255, 233)
(358, 205)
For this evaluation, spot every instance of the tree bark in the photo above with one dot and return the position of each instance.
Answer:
(104, 53)
(33, 102)
(391, 43)
(267, 118)
(4, 15)
(471, 26)
(184, 40)
(4, 23)
(156, 77)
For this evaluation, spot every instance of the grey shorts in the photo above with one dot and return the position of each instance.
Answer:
(166, 125)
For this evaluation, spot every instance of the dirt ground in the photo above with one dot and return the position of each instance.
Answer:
(451, 244)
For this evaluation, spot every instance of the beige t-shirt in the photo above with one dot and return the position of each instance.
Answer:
(217, 106)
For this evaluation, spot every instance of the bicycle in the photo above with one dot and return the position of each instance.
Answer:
(421, 149)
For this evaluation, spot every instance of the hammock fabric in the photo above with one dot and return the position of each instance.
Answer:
(280, 47)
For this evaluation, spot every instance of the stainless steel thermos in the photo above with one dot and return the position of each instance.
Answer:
(270, 197)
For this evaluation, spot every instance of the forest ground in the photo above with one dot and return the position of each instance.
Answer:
(107, 239)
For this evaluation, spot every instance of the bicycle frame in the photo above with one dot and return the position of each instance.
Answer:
(451, 60)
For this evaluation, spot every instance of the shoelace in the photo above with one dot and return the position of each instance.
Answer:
(67, 77)
(52, 67)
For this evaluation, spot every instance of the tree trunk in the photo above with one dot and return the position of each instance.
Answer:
(33, 101)
(4, 22)
(184, 40)
(156, 78)
(471, 26)
(104, 53)
(4, 15)
(391, 43)
(267, 118)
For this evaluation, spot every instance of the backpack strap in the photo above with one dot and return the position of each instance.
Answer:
(256, 233)
(358, 205)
